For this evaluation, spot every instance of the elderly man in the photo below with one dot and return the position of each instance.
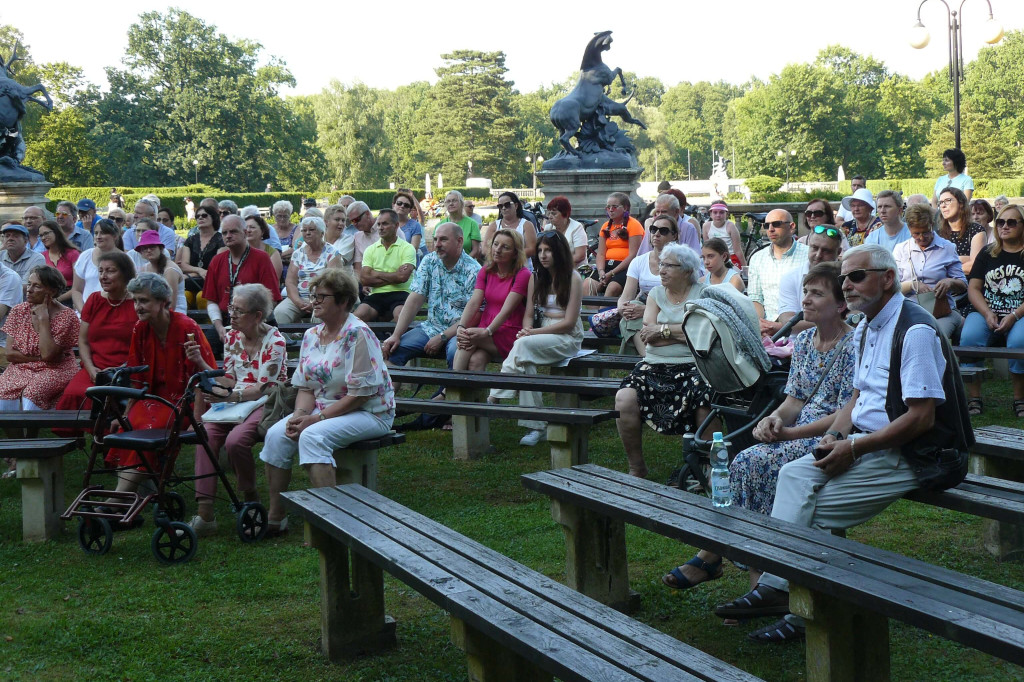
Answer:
(118, 216)
(146, 208)
(16, 254)
(915, 199)
(227, 207)
(767, 266)
(362, 234)
(444, 281)
(469, 208)
(907, 414)
(455, 205)
(33, 217)
(823, 246)
(666, 204)
(386, 268)
(240, 264)
(65, 216)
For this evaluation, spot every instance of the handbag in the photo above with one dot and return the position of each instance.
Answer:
(232, 413)
(605, 324)
(280, 403)
(928, 300)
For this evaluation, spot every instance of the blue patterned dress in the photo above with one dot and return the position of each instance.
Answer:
(755, 471)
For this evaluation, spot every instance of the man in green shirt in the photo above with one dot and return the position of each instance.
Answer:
(387, 266)
(455, 205)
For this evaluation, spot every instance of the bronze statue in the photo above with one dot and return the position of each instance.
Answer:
(13, 96)
(585, 114)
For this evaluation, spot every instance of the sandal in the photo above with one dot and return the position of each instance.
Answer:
(974, 407)
(677, 581)
(779, 631)
(759, 602)
(276, 529)
(1018, 408)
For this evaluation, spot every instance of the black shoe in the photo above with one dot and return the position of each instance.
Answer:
(779, 631)
(760, 602)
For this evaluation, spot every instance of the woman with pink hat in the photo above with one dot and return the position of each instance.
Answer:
(152, 258)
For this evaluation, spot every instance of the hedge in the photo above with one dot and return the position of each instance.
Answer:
(983, 187)
(763, 184)
(377, 199)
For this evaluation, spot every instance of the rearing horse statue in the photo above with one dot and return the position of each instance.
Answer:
(13, 96)
(588, 98)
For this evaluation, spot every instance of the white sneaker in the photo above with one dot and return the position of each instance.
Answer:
(533, 437)
(203, 528)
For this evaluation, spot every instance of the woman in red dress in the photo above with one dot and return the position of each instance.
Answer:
(102, 340)
(174, 348)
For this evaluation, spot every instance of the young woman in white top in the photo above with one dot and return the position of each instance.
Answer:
(510, 217)
(555, 295)
(720, 227)
(715, 255)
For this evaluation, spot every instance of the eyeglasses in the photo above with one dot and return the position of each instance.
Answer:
(828, 231)
(45, 234)
(402, 204)
(118, 220)
(776, 224)
(858, 276)
(817, 213)
(358, 217)
(236, 312)
(662, 264)
(1011, 223)
(502, 207)
(946, 202)
(612, 207)
(662, 230)
(320, 298)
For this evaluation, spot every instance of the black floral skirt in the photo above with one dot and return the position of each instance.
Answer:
(669, 396)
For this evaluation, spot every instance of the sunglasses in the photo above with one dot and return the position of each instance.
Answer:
(858, 276)
(502, 207)
(224, 213)
(776, 223)
(1011, 223)
(62, 213)
(828, 231)
(662, 230)
(817, 213)
(118, 220)
(402, 204)
(202, 215)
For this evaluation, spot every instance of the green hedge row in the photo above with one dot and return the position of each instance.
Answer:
(983, 187)
(377, 199)
(800, 197)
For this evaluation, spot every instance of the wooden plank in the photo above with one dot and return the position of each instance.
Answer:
(999, 441)
(980, 352)
(476, 380)
(36, 448)
(554, 415)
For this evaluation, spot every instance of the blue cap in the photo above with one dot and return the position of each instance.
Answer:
(16, 228)
(86, 205)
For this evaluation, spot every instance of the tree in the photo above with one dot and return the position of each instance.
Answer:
(350, 130)
(62, 150)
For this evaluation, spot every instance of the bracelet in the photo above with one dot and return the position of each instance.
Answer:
(489, 333)
(1014, 313)
(853, 451)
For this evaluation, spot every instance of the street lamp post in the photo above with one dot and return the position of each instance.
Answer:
(534, 160)
(781, 154)
(919, 39)
(195, 164)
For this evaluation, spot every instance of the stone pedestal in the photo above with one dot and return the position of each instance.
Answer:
(588, 189)
(15, 197)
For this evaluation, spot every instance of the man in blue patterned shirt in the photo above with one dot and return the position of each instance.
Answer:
(445, 281)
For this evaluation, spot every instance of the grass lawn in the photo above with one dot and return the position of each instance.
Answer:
(239, 611)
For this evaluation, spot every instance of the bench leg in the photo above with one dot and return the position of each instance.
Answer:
(352, 619)
(568, 444)
(42, 497)
(1003, 540)
(471, 437)
(356, 466)
(595, 556)
(488, 661)
(844, 642)
(570, 400)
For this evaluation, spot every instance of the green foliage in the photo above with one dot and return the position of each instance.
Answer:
(760, 184)
(63, 151)
(377, 199)
(1011, 187)
(789, 197)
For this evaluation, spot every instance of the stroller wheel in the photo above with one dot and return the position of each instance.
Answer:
(252, 522)
(174, 543)
(94, 535)
(172, 504)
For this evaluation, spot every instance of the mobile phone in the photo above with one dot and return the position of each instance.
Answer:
(820, 453)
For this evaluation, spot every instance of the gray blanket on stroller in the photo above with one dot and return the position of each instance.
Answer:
(728, 308)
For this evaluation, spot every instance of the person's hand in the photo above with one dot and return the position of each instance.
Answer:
(306, 306)
(923, 288)
(768, 429)
(200, 271)
(405, 270)
(768, 328)
(525, 331)
(1005, 324)
(434, 345)
(992, 320)
(650, 331)
(193, 352)
(297, 423)
(366, 291)
(839, 455)
(41, 315)
(92, 372)
(389, 346)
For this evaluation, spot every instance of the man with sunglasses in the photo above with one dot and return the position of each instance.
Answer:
(823, 246)
(875, 448)
(767, 266)
(470, 210)
(65, 217)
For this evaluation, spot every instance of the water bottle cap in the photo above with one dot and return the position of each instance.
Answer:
(717, 435)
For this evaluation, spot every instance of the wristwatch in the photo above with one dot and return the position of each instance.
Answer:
(836, 435)
(666, 333)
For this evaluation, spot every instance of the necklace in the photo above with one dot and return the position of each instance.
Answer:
(117, 305)
(831, 343)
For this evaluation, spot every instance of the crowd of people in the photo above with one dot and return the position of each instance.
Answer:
(510, 292)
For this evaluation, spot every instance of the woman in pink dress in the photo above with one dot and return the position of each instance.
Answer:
(487, 334)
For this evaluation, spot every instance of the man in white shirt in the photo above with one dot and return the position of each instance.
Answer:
(767, 266)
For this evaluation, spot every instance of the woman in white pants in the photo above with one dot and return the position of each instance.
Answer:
(554, 298)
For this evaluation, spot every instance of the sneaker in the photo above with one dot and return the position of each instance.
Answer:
(203, 528)
(533, 437)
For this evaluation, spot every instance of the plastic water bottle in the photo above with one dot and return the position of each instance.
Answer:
(721, 493)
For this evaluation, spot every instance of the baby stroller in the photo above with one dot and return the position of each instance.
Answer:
(723, 335)
(98, 510)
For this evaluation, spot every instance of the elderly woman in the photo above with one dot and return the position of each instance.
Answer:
(996, 290)
(282, 212)
(999, 203)
(106, 316)
(41, 336)
(493, 317)
(820, 382)
(927, 263)
(256, 233)
(307, 260)
(254, 359)
(345, 393)
(334, 219)
(863, 223)
(173, 347)
(665, 389)
(59, 253)
(197, 253)
(618, 242)
(107, 239)
(559, 212)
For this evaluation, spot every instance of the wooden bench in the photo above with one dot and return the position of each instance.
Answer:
(999, 452)
(596, 365)
(845, 590)
(357, 462)
(567, 432)
(512, 622)
(39, 466)
(990, 498)
(33, 421)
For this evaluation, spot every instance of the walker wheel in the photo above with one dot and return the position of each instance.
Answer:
(173, 504)
(174, 543)
(252, 522)
(94, 535)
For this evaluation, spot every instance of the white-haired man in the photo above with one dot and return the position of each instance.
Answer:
(147, 208)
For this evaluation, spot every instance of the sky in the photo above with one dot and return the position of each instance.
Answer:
(731, 40)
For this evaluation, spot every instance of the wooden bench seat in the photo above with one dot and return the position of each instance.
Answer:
(999, 452)
(39, 466)
(33, 421)
(512, 622)
(991, 498)
(567, 432)
(845, 590)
